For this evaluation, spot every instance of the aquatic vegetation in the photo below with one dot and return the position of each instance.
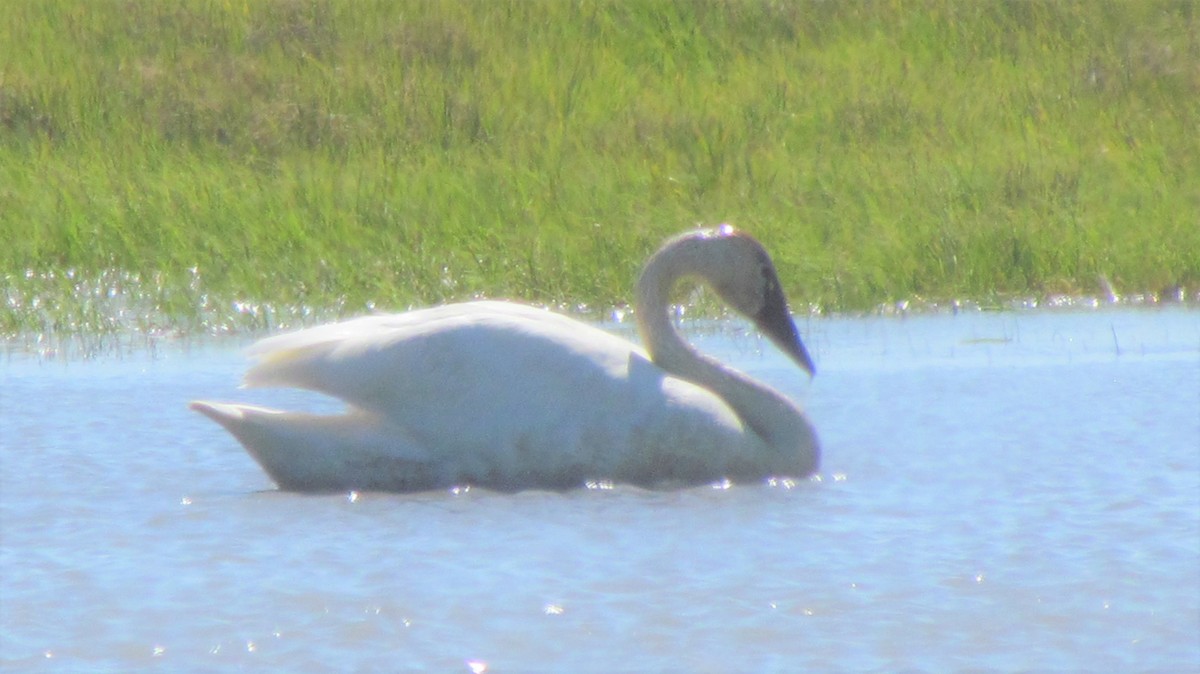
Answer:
(240, 163)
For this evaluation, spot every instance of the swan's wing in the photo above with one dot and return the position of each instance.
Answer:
(508, 387)
(378, 327)
(366, 360)
(463, 359)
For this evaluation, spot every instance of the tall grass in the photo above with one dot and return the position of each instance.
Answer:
(342, 153)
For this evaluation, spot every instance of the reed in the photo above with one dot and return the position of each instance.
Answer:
(334, 156)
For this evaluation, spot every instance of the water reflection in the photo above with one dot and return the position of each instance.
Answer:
(1018, 504)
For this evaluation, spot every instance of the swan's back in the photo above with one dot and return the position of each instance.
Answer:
(509, 396)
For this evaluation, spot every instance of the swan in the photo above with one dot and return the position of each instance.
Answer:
(507, 396)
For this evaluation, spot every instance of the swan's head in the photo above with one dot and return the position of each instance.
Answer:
(744, 276)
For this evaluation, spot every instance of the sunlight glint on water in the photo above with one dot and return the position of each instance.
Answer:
(1011, 491)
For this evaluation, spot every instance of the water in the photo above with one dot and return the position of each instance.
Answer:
(1000, 491)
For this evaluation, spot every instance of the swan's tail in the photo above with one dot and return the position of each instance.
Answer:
(312, 452)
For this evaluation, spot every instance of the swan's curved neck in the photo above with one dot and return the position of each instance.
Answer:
(766, 412)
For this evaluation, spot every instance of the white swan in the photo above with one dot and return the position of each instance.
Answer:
(509, 397)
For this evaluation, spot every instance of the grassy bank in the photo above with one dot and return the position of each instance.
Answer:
(336, 154)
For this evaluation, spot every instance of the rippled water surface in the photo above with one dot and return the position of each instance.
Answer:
(1001, 491)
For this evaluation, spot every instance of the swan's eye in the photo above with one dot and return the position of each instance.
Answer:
(770, 283)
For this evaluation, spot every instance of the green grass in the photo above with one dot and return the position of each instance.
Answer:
(337, 155)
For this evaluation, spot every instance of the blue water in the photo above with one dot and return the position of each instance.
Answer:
(1000, 491)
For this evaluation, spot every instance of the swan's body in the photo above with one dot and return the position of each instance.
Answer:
(508, 396)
